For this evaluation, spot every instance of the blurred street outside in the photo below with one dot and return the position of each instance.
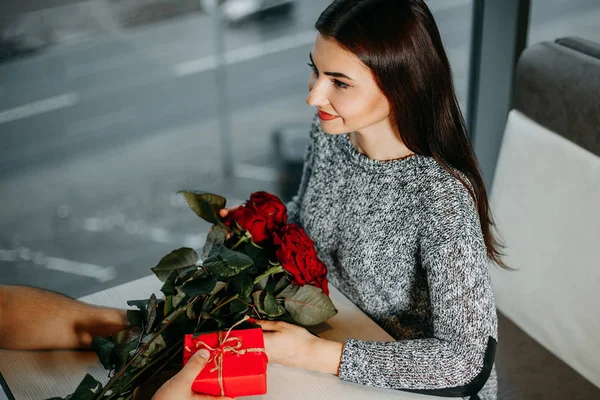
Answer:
(106, 111)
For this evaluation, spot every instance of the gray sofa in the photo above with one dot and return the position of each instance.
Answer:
(546, 201)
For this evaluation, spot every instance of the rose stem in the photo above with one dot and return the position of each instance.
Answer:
(269, 272)
(225, 303)
(144, 347)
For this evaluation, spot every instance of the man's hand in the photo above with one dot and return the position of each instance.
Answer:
(37, 319)
(179, 387)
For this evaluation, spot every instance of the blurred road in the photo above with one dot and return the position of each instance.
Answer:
(97, 134)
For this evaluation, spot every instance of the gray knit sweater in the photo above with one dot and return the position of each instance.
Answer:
(402, 240)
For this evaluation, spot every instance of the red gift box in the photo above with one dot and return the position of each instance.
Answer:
(237, 365)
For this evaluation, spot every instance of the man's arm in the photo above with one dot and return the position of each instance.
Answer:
(34, 319)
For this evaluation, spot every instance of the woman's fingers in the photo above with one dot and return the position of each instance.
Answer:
(223, 212)
(271, 326)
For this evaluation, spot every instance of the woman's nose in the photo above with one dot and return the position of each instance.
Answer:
(316, 96)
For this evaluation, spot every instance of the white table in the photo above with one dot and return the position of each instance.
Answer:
(41, 375)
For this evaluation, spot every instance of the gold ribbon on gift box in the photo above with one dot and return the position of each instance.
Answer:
(227, 344)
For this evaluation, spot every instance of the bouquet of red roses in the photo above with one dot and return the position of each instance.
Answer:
(253, 264)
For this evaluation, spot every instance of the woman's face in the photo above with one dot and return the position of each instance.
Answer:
(343, 90)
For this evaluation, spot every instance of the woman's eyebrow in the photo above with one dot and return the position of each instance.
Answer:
(334, 74)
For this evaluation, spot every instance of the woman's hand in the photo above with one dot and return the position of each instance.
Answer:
(223, 212)
(179, 387)
(294, 346)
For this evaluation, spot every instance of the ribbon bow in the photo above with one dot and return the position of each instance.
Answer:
(226, 344)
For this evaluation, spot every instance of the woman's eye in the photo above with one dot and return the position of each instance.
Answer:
(337, 83)
(340, 84)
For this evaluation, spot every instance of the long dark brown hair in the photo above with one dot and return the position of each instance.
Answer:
(400, 42)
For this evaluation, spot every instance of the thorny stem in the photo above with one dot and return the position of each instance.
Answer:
(269, 272)
(225, 303)
(166, 322)
(243, 239)
(158, 359)
(166, 363)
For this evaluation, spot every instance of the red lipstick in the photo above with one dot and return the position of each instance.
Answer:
(326, 116)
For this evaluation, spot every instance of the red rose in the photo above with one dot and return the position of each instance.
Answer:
(296, 253)
(261, 216)
(271, 207)
(252, 221)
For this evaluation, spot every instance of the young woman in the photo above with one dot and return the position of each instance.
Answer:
(392, 196)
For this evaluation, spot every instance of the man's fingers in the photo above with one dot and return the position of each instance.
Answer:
(193, 367)
(191, 370)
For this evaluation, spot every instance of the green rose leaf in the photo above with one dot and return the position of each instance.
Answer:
(183, 324)
(226, 263)
(153, 349)
(270, 286)
(87, 389)
(259, 256)
(258, 298)
(219, 268)
(243, 285)
(234, 259)
(220, 286)
(237, 307)
(152, 309)
(135, 318)
(168, 307)
(271, 306)
(208, 305)
(176, 300)
(176, 260)
(288, 292)
(140, 362)
(216, 237)
(185, 275)
(310, 306)
(121, 352)
(122, 385)
(221, 324)
(282, 284)
(103, 349)
(216, 266)
(262, 284)
(156, 346)
(140, 304)
(191, 314)
(206, 205)
(199, 286)
(168, 288)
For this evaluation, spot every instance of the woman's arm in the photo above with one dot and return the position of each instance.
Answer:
(32, 319)
(458, 359)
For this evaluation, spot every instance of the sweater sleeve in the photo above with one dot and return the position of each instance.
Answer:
(293, 207)
(458, 359)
